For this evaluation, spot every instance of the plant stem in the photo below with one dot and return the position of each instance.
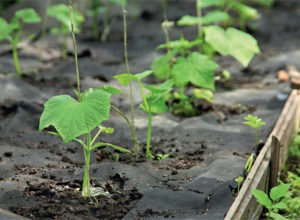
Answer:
(199, 14)
(75, 51)
(95, 6)
(14, 42)
(86, 174)
(134, 138)
(149, 133)
(256, 136)
(165, 28)
(136, 143)
(16, 58)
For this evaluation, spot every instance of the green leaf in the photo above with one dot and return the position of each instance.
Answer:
(216, 37)
(4, 30)
(215, 17)
(156, 96)
(61, 12)
(254, 121)
(212, 17)
(242, 46)
(197, 69)
(162, 67)
(72, 118)
(262, 198)
(188, 20)
(159, 106)
(205, 94)
(111, 90)
(244, 10)
(160, 88)
(280, 191)
(142, 75)
(209, 3)
(124, 78)
(234, 42)
(28, 15)
(277, 216)
(280, 205)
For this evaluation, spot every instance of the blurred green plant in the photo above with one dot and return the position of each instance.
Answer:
(104, 8)
(12, 31)
(61, 13)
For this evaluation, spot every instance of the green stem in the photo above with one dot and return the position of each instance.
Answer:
(165, 29)
(87, 160)
(14, 42)
(149, 133)
(106, 22)
(75, 51)
(199, 14)
(256, 136)
(64, 45)
(136, 144)
(16, 58)
(134, 138)
(95, 7)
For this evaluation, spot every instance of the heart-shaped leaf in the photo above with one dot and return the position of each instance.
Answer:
(197, 69)
(71, 118)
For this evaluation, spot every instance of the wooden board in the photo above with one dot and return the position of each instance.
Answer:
(270, 160)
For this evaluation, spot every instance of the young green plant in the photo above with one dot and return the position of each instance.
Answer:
(61, 13)
(74, 120)
(275, 201)
(97, 8)
(12, 31)
(153, 102)
(255, 123)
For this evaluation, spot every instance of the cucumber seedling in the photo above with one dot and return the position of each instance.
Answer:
(74, 120)
(12, 31)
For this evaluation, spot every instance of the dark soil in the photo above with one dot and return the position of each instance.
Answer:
(40, 177)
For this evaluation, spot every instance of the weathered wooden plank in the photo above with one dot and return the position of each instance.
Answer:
(245, 205)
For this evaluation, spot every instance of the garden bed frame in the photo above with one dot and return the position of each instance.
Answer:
(264, 172)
